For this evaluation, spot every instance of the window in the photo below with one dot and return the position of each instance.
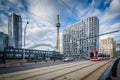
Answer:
(20, 50)
(18, 55)
(1, 55)
(26, 55)
(32, 55)
(9, 55)
(16, 50)
(11, 50)
(27, 50)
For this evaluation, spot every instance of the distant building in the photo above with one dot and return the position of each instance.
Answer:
(14, 54)
(118, 49)
(15, 31)
(34, 53)
(108, 46)
(78, 39)
(3, 41)
(118, 46)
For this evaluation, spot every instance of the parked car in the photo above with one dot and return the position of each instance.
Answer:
(68, 59)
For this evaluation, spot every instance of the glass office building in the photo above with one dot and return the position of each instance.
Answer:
(3, 41)
(15, 31)
(81, 37)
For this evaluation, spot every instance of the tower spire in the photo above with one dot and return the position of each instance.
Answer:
(58, 23)
(58, 37)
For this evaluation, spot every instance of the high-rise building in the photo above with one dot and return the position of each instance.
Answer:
(15, 31)
(78, 39)
(3, 41)
(108, 46)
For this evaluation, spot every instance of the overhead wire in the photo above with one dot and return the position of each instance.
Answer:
(78, 16)
(54, 24)
(101, 34)
(107, 29)
(70, 10)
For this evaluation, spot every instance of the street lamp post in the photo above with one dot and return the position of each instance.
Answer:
(24, 41)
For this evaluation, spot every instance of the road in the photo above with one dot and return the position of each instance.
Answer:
(31, 66)
(79, 70)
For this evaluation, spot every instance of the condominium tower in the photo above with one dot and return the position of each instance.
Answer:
(15, 31)
(81, 37)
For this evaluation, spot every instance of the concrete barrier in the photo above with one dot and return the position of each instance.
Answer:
(111, 71)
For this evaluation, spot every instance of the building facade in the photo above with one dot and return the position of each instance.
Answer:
(3, 41)
(79, 38)
(108, 46)
(16, 54)
(15, 31)
(118, 49)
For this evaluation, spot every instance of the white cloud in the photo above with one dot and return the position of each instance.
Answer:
(106, 1)
(95, 3)
(4, 24)
(3, 18)
(41, 13)
(110, 28)
(105, 17)
(112, 12)
(90, 10)
(42, 35)
(104, 28)
(3, 28)
(40, 29)
(13, 1)
(43, 8)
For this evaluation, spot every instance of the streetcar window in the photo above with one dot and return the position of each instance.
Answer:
(91, 54)
(96, 55)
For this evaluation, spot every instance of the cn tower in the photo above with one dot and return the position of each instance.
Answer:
(58, 36)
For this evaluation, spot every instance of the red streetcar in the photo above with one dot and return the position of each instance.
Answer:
(96, 56)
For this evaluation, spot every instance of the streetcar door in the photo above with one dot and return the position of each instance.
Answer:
(91, 54)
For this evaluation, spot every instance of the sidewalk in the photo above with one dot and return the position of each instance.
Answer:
(20, 64)
(12, 65)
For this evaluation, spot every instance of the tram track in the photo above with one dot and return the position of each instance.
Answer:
(95, 75)
(92, 72)
(72, 71)
(58, 73)
(24, 75)
(62, 68)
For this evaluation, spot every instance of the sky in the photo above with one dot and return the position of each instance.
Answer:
(42, 16)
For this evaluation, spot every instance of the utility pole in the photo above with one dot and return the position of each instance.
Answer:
(24, 41)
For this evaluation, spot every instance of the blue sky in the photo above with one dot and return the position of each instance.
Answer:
(42, 16)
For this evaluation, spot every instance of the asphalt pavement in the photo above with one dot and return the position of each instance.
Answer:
(28, 66)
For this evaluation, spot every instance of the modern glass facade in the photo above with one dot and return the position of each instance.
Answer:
(3, 41)
(11, 53)
(17, 53)
(15, 31)
(80, 38)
